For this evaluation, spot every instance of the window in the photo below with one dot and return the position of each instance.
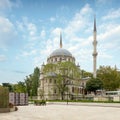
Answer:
(69, 59)
(73, 89)
(60, 59)
(55, 59)
(54, 91)
(50, 81)
(54, 81)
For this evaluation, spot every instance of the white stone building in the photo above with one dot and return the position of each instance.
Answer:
(48, 89)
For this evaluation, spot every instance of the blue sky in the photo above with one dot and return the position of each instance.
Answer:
(29, 32)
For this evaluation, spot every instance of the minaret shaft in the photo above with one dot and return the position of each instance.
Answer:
(94, 49)
(60, 40)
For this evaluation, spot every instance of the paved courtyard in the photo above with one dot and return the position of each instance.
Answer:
(64, 112)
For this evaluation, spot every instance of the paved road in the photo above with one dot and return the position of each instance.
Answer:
(64, 112)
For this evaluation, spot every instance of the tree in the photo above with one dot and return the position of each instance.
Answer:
(86, 74)
(20, 87)
(32, 82)
(94, 84)
(9, 86)
(61, 85)
(63, 68)
(35, 81)
(110, 77)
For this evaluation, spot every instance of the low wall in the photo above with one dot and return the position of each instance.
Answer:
(101, 99)
(4, 110)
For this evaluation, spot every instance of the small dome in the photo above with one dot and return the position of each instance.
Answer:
(60, 52)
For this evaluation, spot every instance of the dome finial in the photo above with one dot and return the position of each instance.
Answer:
(60, 39)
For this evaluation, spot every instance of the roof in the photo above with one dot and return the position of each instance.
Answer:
(60, 52)
(51, 74)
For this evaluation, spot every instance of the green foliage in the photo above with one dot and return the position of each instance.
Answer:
(9, 86)
(19, 87)
(61, 85)
(94, 84)
(32, 82)
(4, 97)
(110, 77)
(86, 74)
(39, 102)
(64, 68)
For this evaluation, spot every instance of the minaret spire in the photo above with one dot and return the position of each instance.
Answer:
(60, 40)
(94, 48)
(95, 23)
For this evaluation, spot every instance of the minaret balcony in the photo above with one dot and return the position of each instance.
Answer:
(95, 54)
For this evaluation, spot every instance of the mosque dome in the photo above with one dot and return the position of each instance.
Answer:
(60, 52)
(60, 55)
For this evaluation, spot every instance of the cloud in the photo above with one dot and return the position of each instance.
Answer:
(111, 34)
(8, 4)
(28, 29)
(20, 72)
(112, 14)
(43, 34)
(32, 29)
(79, 21)
(2, 58)
(52, 19)
(7, 32)
(29, 53)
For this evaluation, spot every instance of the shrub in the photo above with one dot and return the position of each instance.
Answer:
(16, 108)
(4, 97)
(11, 105)
(39, 102)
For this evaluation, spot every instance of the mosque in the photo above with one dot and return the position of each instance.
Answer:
(70, 87)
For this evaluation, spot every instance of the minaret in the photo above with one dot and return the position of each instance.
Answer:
(94, 49)
(60, 40)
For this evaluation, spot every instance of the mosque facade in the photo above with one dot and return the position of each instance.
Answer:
(53, 84)
(49, 81)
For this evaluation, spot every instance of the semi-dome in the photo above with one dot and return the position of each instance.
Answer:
(60, 52)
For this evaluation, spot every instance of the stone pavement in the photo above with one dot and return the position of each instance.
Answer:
(61, 111)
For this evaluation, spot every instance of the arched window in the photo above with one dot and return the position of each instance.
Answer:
(55, 59)
(73, 89)
(69, 59)
(60, 59)
(50, 81)
(54, 81)
(54, 91)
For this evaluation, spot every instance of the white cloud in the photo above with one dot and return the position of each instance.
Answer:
(30, 53)
(2, 58)
(56, 31)
(7, 32)
(112, 34)
(43, 33)
(52, 19)
(32, 29)
(8, 4)
(112, 14)
(86, 9)
(79, 21)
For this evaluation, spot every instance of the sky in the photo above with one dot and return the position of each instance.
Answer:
(30, 31)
